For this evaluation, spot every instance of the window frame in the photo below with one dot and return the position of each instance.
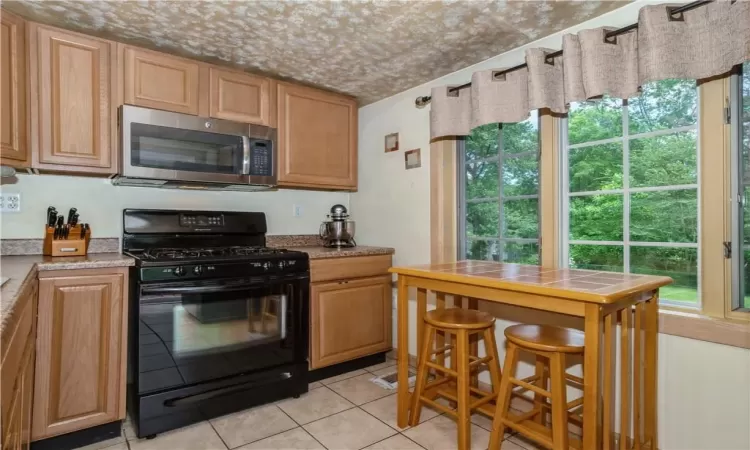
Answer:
(736, 193)
(625, 191)
(462, 201)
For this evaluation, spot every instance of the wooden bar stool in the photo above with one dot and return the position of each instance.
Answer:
(546, 342)
(461, 324)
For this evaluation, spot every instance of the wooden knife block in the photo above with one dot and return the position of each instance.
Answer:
(73, 246)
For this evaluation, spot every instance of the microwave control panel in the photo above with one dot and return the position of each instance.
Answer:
(261, 157)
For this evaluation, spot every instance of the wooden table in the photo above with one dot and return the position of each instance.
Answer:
(600, 298)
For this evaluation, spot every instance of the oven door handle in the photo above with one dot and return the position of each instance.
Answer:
(219, 392)
(196, 289)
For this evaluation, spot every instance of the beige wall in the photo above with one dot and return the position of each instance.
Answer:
(704, 388)
(101, 204)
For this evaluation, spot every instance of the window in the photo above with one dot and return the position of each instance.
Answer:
(742, 171)
(499, 193)
(630, 186)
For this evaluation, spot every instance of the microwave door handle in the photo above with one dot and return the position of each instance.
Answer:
(246, 155)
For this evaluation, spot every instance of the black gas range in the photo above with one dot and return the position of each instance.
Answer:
(219, 321)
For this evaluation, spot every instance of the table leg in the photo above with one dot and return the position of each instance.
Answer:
(651, 371)
(591, 380)
(421, 309)
(403, 352)
(440, 335)
(608, 381)
(473, 303)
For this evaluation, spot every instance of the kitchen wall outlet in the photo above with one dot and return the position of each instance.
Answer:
(10, 202)
(297, 210)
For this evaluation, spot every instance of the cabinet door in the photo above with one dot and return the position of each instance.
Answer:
(349, 319)
(80, 353)
(156, 80)
(13, 144)
(317, 138)
(72, 115)
(240, 97)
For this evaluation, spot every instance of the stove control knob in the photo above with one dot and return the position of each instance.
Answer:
(197, 270)
(281, 264)
(179, 271)
(266, 265)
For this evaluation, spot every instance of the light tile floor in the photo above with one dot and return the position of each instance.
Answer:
(346, 412)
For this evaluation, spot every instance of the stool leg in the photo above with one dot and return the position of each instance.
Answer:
(490, 347)
(559, 402)
(464, 398)
(540, 400)
(503, 398)
(422, 372)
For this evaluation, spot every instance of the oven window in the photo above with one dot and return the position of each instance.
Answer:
(189, 337)
(175, 149)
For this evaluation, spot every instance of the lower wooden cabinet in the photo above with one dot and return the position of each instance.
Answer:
(81, 350)
(349, 319)
(17, 368)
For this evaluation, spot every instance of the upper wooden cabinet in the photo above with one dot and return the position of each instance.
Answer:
(14, 150)
(241, 97)
(81, 350)
(317, 132)
(156, 80)
(72, 115)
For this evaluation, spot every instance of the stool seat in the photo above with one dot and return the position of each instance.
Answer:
(546, 338)
(459, 319)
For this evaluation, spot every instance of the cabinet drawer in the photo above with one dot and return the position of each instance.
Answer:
(15, 340)
(351, 267)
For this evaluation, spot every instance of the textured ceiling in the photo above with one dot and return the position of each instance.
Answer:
(370, 49)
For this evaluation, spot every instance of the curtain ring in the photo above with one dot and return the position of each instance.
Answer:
(498, 75)
(451, 91)
(680, 17)
(548, 60)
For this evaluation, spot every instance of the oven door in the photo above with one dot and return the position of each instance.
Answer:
(192, 332)
(170, 146)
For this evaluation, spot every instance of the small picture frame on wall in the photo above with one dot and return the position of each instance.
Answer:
(391, 142)
(413, 159)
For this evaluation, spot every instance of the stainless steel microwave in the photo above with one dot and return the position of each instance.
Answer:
(166, 149)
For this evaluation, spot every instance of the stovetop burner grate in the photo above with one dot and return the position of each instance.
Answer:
(162, 254)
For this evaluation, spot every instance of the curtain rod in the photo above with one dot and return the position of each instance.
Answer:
(421, 102)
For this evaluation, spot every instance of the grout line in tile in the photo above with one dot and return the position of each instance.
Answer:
(316, 439)
(298, 424)
(329, 415)
(217, 433)
(397, 431)
(407, 437)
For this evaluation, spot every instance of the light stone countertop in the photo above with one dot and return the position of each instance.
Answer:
(319, 252)
(22, 270)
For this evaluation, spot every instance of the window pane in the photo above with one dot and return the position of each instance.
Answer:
(596, 257)
(664, 160)
(664, 216)
(482, 180)
(663, 105)
(521, 137)
(483, 250)
(482, 142)
(521, 218)
(681, 264)
(595, 168)
(594, 120)
(516, 252)
(596, 218)
(520, 175)
(482, 219)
